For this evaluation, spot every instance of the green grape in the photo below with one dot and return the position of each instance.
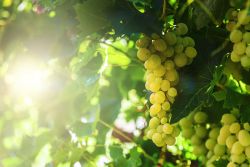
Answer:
(234, 127)
(231, 164)
(181, 29)
(222, 139)
(155, 36)
(214, 133)
(154, 109)
(159, 129)
(167, 128)
(248, 50)
(143, 54)
(245, 61)
(169, 52)
(188, 132)
(159, 71)
(219, 150)
(239, 48)
(154, 122)
(169, 65)
(164, 120)
(153, 62)
(210, 143)
(235, 57)
(180, 60)
(165, 85)
(246, 126)
(159, 45)
(150, 133)
(178, 48)
(170, 140)
(243, 17)
(190, 52)
(171, 75)
(244, 138)
(200, 117)
(238, 158)
(172, 92)
(160, 97)
(152, 98)
(237, 148)
(228, 119)
(157, 139)
(155, 86)
(190, 41)
(235, 36)
(170, 37)
(247, 152)
(201, 131)
(185, 123)
(161, 114)
(244, 165)
(230, 141)
(246, 37)
(143, 42)
(176, 132)
(199, 150)
(166, 106)
(196, 140)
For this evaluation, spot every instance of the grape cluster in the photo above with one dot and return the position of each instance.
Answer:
(194, 127)
(163, 56)
(231, 141)
(239, 27)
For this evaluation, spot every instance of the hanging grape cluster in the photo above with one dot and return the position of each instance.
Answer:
(229, 141)
(162, 57)
(239, 27)
(194, 128)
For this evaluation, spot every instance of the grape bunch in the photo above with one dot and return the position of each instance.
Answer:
(229, 140)
(239, 27)
(233, 142)
(194, 127)
(163, 55)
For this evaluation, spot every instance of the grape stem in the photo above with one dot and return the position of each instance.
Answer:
(164, 7)
(207, 11)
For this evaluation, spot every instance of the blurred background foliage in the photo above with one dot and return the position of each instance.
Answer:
(72, 89)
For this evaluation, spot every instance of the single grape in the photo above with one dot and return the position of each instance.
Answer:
(159, 45)
(160, 97)
(165, 85)
(237, 148)
(244, 138)
(143, 54)
(235, 36)
(167, 128)
(181, 29)
(190, 52)
(180, 60)
(170, 38)
(219, 150)
(200, 117)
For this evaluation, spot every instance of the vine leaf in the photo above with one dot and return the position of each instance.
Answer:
(91, 15)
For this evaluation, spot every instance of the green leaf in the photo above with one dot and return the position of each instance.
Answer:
(91, 15)
(82, 129)
(219, 95)
(245, 113)
(134, 157)
(209, 11)
(11, 162)
(220, 163)
(187, 102)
